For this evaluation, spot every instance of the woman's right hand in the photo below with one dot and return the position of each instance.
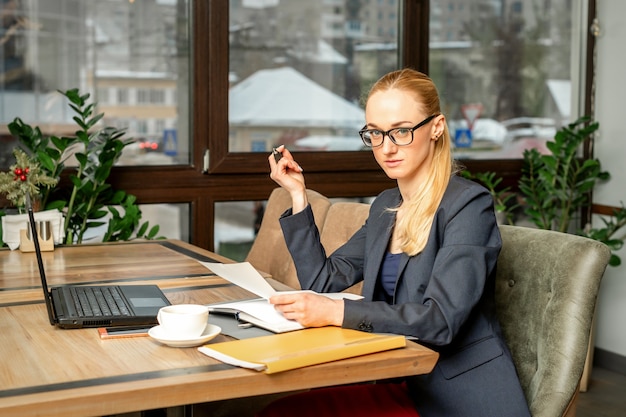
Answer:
(287, 173)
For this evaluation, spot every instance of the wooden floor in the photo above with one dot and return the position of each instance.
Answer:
(605, 396)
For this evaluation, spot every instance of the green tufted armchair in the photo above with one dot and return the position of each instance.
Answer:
(546, 288)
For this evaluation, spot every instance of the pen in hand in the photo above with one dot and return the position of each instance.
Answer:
(277, 155)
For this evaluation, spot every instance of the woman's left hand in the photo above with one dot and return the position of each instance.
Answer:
(309, 309)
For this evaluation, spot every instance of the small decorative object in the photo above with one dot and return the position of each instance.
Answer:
(44, 234)
(14, 224)
(25, 176)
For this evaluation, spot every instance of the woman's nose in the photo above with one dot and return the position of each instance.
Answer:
(388, 146)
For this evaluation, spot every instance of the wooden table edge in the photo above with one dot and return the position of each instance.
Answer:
(194, 385)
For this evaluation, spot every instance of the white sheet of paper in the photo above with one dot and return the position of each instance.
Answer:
(243, 275)
(259, 308)
(259, 311)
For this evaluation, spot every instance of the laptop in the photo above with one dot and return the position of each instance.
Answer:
(81, 306)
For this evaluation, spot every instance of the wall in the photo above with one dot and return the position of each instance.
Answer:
(610, 149)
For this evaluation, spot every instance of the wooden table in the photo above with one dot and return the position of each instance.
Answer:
(53, 372)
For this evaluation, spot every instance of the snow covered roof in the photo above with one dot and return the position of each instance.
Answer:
(106, 73)
(331, 143)
(324, 54)
(285, 97)
(376, 46)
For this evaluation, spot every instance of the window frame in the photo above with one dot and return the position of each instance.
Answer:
(414, 53)
(244, 176)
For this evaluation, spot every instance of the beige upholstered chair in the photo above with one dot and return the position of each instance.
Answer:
(269, 252)
(342, 221)
(336, 223)
(546, 289)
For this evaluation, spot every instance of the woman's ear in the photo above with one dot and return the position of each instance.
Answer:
(438, 127)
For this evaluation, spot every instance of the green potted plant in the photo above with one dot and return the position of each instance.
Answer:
(555, 187)
(90, 198)
(504, 200)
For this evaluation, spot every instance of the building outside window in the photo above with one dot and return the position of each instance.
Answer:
(295, 74)
(503, 71)
(114, 51)
(124, 48)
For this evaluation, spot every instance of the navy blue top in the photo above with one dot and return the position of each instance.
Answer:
(389, 274)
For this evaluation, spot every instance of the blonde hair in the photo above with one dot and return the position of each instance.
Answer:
(414, 226)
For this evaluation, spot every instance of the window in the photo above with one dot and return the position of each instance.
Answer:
(115, 51)
(465, 66)
(142, 126)
(122, 96)
(504, 74)
(193, 53)
(299, 78)
(143, 96)
(103, 95)
(352, 62)
(157, 96)
(134, 50)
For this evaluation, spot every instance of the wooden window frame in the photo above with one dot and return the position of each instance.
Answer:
(244, 176)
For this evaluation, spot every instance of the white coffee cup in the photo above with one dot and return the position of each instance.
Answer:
(183, 321)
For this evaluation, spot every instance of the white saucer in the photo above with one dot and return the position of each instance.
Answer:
(209, 333)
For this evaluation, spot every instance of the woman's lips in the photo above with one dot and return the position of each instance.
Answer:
(392, 163)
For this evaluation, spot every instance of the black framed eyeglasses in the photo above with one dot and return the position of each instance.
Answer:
(401, 136)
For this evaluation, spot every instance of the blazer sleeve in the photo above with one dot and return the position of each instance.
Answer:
(315, 271)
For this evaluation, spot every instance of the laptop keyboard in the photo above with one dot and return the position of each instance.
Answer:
(98, 301)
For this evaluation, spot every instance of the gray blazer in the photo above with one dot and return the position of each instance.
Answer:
(444, 297)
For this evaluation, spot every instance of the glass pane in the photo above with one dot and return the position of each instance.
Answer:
(172, 219)
(132, 57)
(298, 68)
(503, 71)
(236, 224)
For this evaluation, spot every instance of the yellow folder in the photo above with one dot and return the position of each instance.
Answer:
(311, 346)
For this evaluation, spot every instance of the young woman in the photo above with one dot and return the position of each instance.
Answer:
(427, 258)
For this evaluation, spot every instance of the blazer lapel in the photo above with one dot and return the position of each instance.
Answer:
(404, 261)
(377, 242)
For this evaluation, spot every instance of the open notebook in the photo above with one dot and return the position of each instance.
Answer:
(78, 306)
(257, 311)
